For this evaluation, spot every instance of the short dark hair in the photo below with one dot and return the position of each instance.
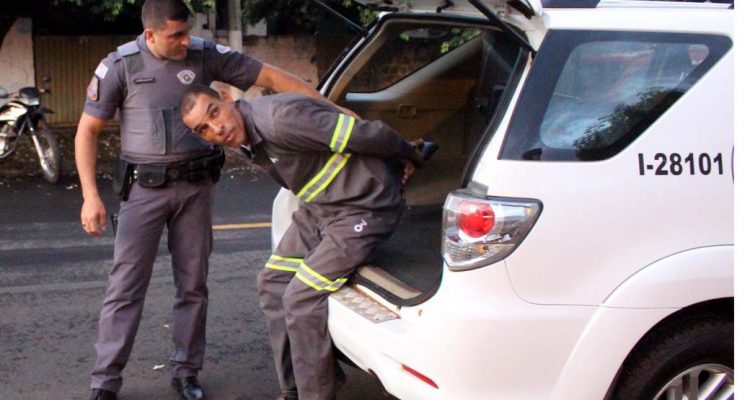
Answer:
(155, 13)
(191, 95)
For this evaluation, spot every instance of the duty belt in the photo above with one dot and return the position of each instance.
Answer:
(156, 175)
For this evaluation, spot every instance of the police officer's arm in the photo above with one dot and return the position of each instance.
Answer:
(93, 212)
(281, 81)
(242, 71)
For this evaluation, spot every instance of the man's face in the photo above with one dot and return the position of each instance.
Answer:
(217, 121)
(171, 41)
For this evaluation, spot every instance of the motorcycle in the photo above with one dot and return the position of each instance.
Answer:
(24, 114)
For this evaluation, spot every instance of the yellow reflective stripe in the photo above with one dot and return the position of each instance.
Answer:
(331, 288)
(280, 267)
(315, 274)
(341, 159)
(289, 264)
(336, 132)
(323, 178)
(290, 259)
(344, 125)
(322, 283)
(348, 134)
(307, 282)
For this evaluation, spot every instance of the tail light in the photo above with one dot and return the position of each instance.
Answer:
(478, 231)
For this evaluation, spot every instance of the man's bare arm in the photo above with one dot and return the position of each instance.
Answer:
(93, 212)
(281, 81)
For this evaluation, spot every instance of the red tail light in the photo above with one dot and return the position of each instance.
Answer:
(479, 230)
(475, 219)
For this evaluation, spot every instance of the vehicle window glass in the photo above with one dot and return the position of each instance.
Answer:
(407, 51)
(602, 90)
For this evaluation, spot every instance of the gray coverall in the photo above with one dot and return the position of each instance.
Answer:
(349, 182)
(147, 92)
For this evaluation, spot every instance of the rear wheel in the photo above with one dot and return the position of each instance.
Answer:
(48, 150)
(689, 360)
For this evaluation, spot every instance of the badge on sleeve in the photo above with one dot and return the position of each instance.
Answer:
(222, 49)
(92, 92)
(186, 76)
(101, 71)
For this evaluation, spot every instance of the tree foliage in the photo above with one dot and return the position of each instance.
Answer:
(302, 14)
(111, 9)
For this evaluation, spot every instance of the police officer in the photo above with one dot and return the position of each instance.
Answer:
(165, 177)
(347, 176)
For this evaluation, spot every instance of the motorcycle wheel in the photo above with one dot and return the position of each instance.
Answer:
(48, 150)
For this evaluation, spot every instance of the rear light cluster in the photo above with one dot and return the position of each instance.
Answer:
(478, 231)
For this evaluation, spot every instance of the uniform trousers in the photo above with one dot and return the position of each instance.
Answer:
(323, 246)
(185, 209)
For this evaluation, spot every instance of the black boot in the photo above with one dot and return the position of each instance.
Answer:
(101, 394)
(188, 388)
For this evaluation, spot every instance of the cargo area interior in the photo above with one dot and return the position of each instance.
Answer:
(441, 81)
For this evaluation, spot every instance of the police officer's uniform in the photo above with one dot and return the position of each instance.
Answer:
(173, 186)
(346, 175)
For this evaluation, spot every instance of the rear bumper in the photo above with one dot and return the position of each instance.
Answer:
(474, 339)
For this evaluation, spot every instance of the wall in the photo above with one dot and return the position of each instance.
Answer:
(17, 57)
(71, 61)
(290, 53)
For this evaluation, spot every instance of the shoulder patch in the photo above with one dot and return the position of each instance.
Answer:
(222, 49)
(101, 70)
(92, 91)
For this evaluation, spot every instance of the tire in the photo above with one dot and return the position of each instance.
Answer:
(48, 151)
(690, 359)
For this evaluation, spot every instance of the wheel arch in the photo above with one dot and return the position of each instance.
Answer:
(716, 309)
(692, 282)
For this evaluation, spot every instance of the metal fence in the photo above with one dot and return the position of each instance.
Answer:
(70, 61)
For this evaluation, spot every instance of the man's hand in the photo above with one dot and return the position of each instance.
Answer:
(417, 160)
(93, 216)
(409, 169)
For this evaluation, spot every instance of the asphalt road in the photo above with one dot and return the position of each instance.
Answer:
(52, 282)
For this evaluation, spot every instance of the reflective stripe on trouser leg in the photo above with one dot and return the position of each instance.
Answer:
(288, 264)
(318, 281)
(343, 247)
(272, 282)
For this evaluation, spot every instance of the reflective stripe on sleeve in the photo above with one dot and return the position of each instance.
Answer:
(318, 281)
(279, 263)
(342, 133)
(323, 178)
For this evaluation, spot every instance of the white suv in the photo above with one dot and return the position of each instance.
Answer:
(573, 236)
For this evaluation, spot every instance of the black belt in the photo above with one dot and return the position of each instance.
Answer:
(156, 175)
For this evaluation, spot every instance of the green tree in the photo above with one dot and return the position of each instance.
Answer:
(111, 9)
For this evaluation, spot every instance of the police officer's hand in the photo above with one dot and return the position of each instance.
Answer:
(93, 216)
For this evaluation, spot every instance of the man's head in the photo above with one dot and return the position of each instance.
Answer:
(213, 116)
(166, 26)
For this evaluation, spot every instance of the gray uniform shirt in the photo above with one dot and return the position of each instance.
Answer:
(324, 156)
(147, 91)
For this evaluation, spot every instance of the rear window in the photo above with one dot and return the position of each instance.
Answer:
(590, 94)
(406, 52)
